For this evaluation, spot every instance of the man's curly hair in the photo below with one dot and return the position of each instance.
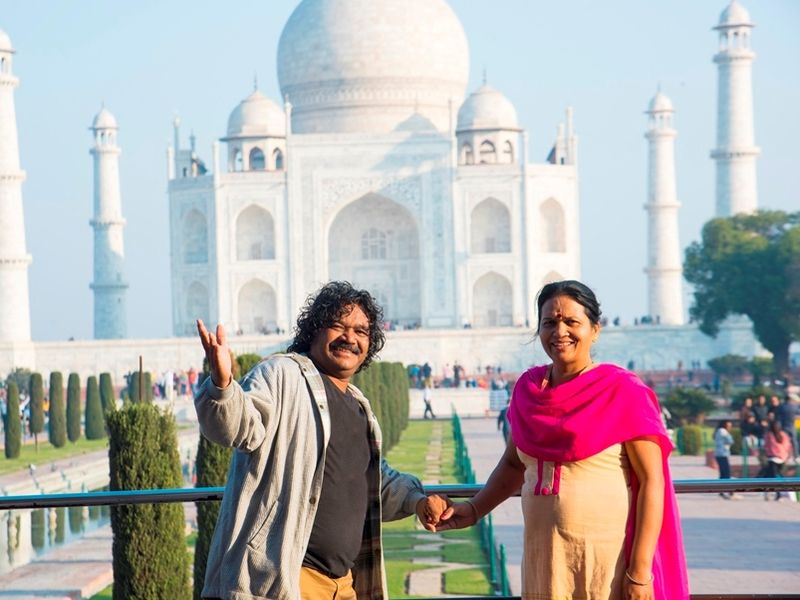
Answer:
(327, 306)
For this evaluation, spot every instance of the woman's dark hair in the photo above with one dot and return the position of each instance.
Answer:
(724, 424)
(776, 430)
(579, 292)
(324, 308)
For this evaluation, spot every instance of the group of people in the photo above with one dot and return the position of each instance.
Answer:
(307, 487)
(756, 419)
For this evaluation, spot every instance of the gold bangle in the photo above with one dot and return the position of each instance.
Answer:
(635, 582)
(474, 509)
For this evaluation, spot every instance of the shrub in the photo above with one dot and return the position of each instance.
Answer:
(13, 424)
(36, 395)
(74, 407)
(95, 426)
(212, 469)
(736, 447)
(692, 440)
(150, 558)
(246, 362)
(688, 404)
(107, 397)
(58, 418)
(386, 387)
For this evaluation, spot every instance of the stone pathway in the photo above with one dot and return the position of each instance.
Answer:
(429, 582)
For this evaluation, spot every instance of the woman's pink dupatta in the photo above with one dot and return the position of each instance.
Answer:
(604, 406)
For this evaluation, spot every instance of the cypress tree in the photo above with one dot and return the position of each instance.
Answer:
(150, 558)
(58, 417)
(36, 394)
(94, 427)
(74, 407)
(212, 469)
(107, 397)
(13, 424)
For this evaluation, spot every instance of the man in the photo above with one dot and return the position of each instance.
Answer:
(427, 398)
(307, 487)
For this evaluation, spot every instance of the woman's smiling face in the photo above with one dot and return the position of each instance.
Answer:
(566, 332)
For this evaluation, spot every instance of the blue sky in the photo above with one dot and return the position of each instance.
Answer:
(149, 61)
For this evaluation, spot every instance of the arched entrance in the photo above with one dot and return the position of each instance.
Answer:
(257, 308)
(491, 302)
(374, 243)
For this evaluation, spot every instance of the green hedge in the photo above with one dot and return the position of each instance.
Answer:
(386, 386)
(107, 396)
(36, 394)
(74, 407)
(150, 557)
(94, 427)
(212, 469)
(692, 440)
(58, 417)
(13, 424)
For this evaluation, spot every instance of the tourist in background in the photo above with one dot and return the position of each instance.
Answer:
(723, 440)
(787, 417)
(589, 452)
(778, 450)
(427, 398)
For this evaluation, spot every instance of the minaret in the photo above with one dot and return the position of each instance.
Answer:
(736, 151)
(110, 314)
(15, 321)
(665, 298)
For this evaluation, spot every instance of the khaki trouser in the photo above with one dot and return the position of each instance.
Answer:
(317, 586)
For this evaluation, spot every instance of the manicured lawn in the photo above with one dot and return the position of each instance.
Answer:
(106, 594)
(467, 581)
(48, 453)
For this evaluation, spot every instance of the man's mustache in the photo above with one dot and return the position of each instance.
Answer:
(341, 344)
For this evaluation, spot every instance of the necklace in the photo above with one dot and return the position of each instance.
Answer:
(549, 377)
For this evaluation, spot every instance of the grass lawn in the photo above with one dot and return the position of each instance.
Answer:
(474, 582)
(106, 594)
(49, 453)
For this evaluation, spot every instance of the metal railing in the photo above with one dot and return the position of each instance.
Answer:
(161, 496)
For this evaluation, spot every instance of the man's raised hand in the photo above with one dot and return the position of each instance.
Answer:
(217, 353)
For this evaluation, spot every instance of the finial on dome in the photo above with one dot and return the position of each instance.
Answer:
(484, 76)
(255, 81)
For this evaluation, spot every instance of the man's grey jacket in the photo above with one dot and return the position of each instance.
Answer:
(274, 421)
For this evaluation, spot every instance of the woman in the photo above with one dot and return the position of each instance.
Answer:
(778, 449)
(589, 452)
(723, 440)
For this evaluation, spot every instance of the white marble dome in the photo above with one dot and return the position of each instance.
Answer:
(660, 103)
(486, 108)
(104, 120)
(257, 116)
(5, 42)
(734, 15)
(366, 66)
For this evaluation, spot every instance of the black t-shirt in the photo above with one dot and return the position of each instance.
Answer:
(339, 525)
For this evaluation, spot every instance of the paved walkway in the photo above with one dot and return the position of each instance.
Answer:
(743, 546)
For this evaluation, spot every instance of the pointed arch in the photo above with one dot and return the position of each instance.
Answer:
(508, 152)
(490, 227)
(488, 153)
(195, 238)
(491, 301)
(277, 157)
(256, 159)
(255, 234)
(467, 155)
(553, 235)
(257, 307)
(374, 243)
(551, 277)
(197, 303)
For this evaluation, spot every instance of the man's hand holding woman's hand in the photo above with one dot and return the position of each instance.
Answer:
(439, 513)
(218, 354)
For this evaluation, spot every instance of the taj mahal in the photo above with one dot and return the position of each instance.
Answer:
(377, 165)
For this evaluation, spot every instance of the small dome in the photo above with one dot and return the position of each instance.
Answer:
(486, 108)
(5, 42)
(734, 15)
(257, 116)
(660, 103)
(104, 120)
